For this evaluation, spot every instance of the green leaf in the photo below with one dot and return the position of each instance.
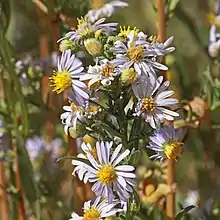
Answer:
(72, 158)
(134, 158)
(173, 4)
(108, 129)
(26, 173)
(183, 212)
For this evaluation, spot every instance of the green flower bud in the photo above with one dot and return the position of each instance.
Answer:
(169, 60)
(128, 76)
(93, 46)
(66, 45)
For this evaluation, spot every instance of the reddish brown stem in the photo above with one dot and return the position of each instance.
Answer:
(20, 205)
(4, 209)
(161, 26)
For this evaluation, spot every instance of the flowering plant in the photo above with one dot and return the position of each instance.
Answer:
(119, 100)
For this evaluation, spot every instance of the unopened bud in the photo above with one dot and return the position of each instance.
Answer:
(93, 46)
(128, 76)
(66, 45)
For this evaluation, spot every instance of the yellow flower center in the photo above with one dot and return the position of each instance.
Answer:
(124, 31)
(84, 27)
(93, 109)
(107, 70)
(81, 23)
(173, 150)
(93, 46)
(60, 81)
(96, 4)
(107, 174)
(210, 18)
(153, 39)
(136, 53)
(91, 214)
(147, 104)
(128, 76)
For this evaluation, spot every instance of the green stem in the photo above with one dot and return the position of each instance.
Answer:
(5, 52)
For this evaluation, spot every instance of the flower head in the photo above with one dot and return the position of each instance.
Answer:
(154, 100)
(69, 71)
(103, 73)
(166, 143)
(108, 176)
(140, 54)
(70, 117)
(99, 10)
(99, 210)
(87, 29)
(91, 110)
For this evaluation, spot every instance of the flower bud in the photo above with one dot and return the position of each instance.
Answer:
(66, 45)
(128, 76)
(93, 46)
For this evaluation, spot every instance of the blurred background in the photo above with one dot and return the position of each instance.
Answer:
(33, 185)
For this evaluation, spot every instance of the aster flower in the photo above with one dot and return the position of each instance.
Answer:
(91, 109)
(87, 148)
(166, 143)
(86, 29)
(156, 48)
(154, 101)
(69, 71)
(140, 54)
(105, 11)
(99, 210)
(35, 147)
(103, 73)
(108, 176)
(70, 117)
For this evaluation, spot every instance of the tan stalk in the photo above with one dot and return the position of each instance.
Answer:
(161, 27)
(4, 209)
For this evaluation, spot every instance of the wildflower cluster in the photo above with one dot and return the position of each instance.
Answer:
(214, 34)
(117, 100)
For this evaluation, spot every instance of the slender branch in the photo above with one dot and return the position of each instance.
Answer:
(161, 26)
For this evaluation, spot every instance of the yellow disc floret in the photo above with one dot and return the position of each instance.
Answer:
(173, 149)
(60, 81)
(91, 214)
(124, 31)
(147, 104)
(135, 53)
(107, 70)
(153, 39)
(107, 174)
(93, 109)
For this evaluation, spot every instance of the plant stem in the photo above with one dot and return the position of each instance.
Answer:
(161, 26)
(4, 209)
